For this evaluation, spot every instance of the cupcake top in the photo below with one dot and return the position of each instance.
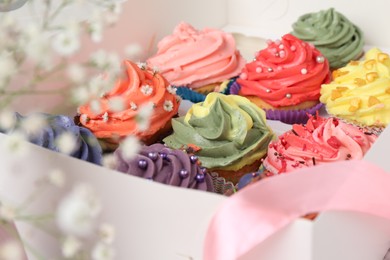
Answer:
(333, 34)
(321, 140)
(161, 164)
(194, 58)
(86, 147)
(138, 87)
(222, 130)
(286, 73)
(360, 91)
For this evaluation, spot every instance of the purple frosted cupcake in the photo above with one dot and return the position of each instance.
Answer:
(161, 164)
(285, 80)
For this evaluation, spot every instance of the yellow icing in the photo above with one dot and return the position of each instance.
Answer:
(360, 92)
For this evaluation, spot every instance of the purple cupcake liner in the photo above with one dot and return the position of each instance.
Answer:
(292, 116)
(286, 116)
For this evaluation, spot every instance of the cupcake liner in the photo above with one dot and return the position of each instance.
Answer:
(292, 116)
(286, 116)
(221, 186)
(234, 88)
(188, 94)
(226, 91)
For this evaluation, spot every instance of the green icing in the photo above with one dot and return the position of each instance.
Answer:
(222, 134)
(333, 34)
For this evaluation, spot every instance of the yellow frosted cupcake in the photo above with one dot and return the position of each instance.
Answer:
(360, 91)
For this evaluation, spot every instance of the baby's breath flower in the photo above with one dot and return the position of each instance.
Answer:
(77, 211)
(109, 161)
(7, 212)
(133, 51)
(11, 250)
(71, 246)
(106, 233)
(130, 146)
(116, 104)
(66, 143)
(102, 251)
(143, 117)
(33, 124)
(56, 177)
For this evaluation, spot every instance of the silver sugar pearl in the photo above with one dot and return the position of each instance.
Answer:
(270, 69)
(268, 90)
(320, 59)
(288, 95)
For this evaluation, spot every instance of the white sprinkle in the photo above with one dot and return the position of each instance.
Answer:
(105, 117)
(259, 70)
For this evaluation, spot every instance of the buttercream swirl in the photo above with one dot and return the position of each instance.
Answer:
(194, 58)
(286, 73)
(224, 129)
(87, 147)
(138, 87)
(333, 34)
(321, 140)
(161, 164)
(360, 91)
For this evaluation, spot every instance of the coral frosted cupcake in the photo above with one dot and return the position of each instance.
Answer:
(321, 140)
(161, 164)
(285, 79)
(52, 128)
(228, 134)
(197, 59)
(138, 87)
(338, 39)
(360, 91)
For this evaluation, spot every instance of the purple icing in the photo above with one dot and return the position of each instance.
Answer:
(172, 167)
(88, 148)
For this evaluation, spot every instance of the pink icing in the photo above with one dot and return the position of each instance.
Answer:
(287, 72)
(195, 58)
(320, 141)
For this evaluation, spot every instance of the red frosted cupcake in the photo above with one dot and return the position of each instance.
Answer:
(285, 79)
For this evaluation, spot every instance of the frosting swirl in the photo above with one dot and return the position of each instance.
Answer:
(195, 58)
(224, 130)
(360, 91)
(161, 164)
(320, 141)
(87, 147)
(286, 73)
(138, 87)
(333, 34)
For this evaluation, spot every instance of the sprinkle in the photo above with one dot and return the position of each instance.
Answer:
(355, 104)
(293, 131)
(293, 48)
(304, 71)
(373, 101)
(359, 82)
(369, 64)
(168, 105)
(270, 69)
(338, 73)
(282, 54)
(277, 54)
(320, 59)
(269, 42)
(277, 42)
(147, 90)
(259, 70)
(335, 95)
(288, 95)
(382, 57)
(353, 63)
(370, 77)
(133, 106)
(341, 89)
(314, 160)
(243, 76)
(281, 46)
(268, 90)
(388, 91)
(105, 117)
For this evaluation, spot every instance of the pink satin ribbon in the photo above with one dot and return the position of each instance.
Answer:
(260, 210)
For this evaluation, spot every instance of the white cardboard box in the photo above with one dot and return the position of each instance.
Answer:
(154, 221)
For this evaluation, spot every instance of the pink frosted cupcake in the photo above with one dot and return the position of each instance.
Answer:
(285, 79)
(321, 140)
(197, 59)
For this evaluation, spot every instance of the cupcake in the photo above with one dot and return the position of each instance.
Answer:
(161, 164)
(138, 87)
(360, 91)
(227, 133)
(86, 146)
(285, 80)
(321, 140)
(199, 60)
(338, 39)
